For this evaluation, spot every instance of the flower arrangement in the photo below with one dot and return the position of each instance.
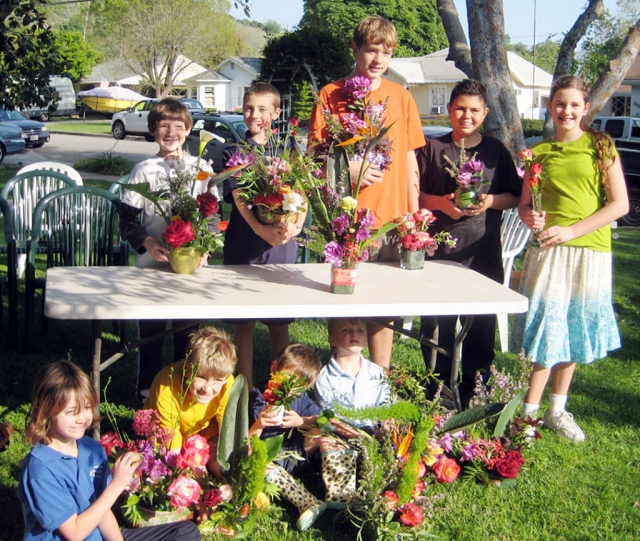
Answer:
(268, 181)
(468, 176)
(537, 177)
(413, 233)
(283, 388)
(164, 480)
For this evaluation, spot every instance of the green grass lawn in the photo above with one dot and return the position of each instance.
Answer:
(81, 126)
(569, 492)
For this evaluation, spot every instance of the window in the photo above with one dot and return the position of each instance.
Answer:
(240, 97)
(614, 128)
(438, 100)
(635, 128)
(620, 105)
(209, 97)
(518, 91)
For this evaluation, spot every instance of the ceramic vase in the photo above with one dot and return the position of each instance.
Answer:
(184, 260)
(151, 517)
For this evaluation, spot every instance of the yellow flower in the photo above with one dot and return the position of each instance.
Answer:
(431, 454)
(348, 204)
(262, 501)
(174, 218)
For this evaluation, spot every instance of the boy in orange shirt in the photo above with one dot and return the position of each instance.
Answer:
(395, 191)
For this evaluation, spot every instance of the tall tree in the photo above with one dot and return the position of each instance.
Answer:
(151, 35)
(28, 55)
(78, 56)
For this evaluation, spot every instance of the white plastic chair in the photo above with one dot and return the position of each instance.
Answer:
(54, 166)
(514, 236)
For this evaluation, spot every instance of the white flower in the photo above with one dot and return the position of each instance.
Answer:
(293, 202)
(205, 137)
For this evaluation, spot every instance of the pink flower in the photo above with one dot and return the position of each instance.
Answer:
(184, 492)
(446, 470)
(423, 216)
(110, 441)
(526, 155)
(418, 489)
(536, 169)
(146, 422)
(411, 515)
(194, 453)
(390, 500)
(226, 492)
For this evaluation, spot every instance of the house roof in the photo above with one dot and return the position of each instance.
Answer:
(249, 63)
(207, 76)
(435, 68)
(633, 75)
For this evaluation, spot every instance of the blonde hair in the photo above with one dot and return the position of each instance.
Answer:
(263, 89)
(168, 109)
(55, 386)
(605, 147)
(212, 353)
(332, 323)
(375, 29)
(301, 360)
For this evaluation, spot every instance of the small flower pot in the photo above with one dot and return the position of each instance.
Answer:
(279, 409)
(343, 279)
(184, 260)
(466, 197)
(270, 218)
(412, 260)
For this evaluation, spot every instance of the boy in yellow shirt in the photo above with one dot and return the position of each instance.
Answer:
(191, 395)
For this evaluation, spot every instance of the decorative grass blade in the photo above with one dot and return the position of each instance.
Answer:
(274, 445)
(507, 415)
(472, 416)
(235, 427)
(338, 161)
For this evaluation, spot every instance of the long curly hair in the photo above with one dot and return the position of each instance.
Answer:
(55, 386)
(605, 147)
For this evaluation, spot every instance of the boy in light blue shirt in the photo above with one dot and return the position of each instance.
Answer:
(350, 380)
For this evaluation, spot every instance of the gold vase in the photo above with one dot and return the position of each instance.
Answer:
(270, 218)
(184, 260)
(151, 517)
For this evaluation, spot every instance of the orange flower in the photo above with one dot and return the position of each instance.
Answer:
(223, 224)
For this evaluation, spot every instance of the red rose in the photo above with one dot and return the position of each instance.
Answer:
(390, 500)
(207, 204)
(446, 470)
(258, 199)
(273, 201)
(269, 396)
(212, 498)
(533, 182)
(411, 515)
(294, 122)
(110, 441)
(178, 233)
(509, 465)
(536, 169)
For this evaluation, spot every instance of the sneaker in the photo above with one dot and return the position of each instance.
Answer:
(563, 423)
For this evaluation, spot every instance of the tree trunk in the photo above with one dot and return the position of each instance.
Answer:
(459, 50)
(566, 55)
(491, 67)
(607, 83)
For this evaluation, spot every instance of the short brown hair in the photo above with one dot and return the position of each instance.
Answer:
(212, 353)
(55, 386)
(168, 109)
(262, 89)
(469, 87)
(375, 29)
(301, 360)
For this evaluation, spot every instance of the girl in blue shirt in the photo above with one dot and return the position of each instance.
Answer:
(66, 488)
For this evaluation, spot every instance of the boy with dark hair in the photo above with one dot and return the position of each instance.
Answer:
(476, 228)
(393, 192)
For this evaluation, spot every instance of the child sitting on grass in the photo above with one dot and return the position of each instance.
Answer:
(338, 462)
(191, 395)
(65, 486)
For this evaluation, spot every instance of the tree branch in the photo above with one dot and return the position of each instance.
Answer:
(459, 50)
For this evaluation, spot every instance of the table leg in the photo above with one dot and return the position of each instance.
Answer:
(96, 338)
(455, 360)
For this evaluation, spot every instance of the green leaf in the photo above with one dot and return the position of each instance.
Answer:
(274, 445)
(471, 416)
(509, 483)
(234, 430)
(507, 415)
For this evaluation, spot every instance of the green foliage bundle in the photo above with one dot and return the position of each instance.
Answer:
(106, 163)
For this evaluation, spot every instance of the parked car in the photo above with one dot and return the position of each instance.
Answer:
(34, 133)
(133, 121)
(624, 130)
(11, 140)
(193, 105)
(630, 160)
(230, 127)
(431, 132)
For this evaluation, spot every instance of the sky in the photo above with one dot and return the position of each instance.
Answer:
(553, 17)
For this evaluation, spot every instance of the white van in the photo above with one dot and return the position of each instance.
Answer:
(65, 100)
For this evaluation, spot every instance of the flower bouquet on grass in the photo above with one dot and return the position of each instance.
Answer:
(468, 176)
(535, 181)
(164, 481)
(268, 182)
(415, 241)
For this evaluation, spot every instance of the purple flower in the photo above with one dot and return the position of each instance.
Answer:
(333, 253)
(472, 166)
(365, 218)
(469, 452)
(340, 223)
(520, 171)
(354, 123)
(240, 159)
(375, 111)
(358, 86)
(362, 234)
(464, 178)
(446, 442)
(158, 470)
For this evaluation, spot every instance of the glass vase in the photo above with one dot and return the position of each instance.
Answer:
(184, 260)
(412, 260)
(466, 197)
(343, 279)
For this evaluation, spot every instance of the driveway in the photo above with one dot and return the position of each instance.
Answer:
(69, 149)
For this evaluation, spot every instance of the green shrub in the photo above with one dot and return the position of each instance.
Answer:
(106, 163)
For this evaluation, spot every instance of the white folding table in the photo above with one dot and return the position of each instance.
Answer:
(271, 291)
